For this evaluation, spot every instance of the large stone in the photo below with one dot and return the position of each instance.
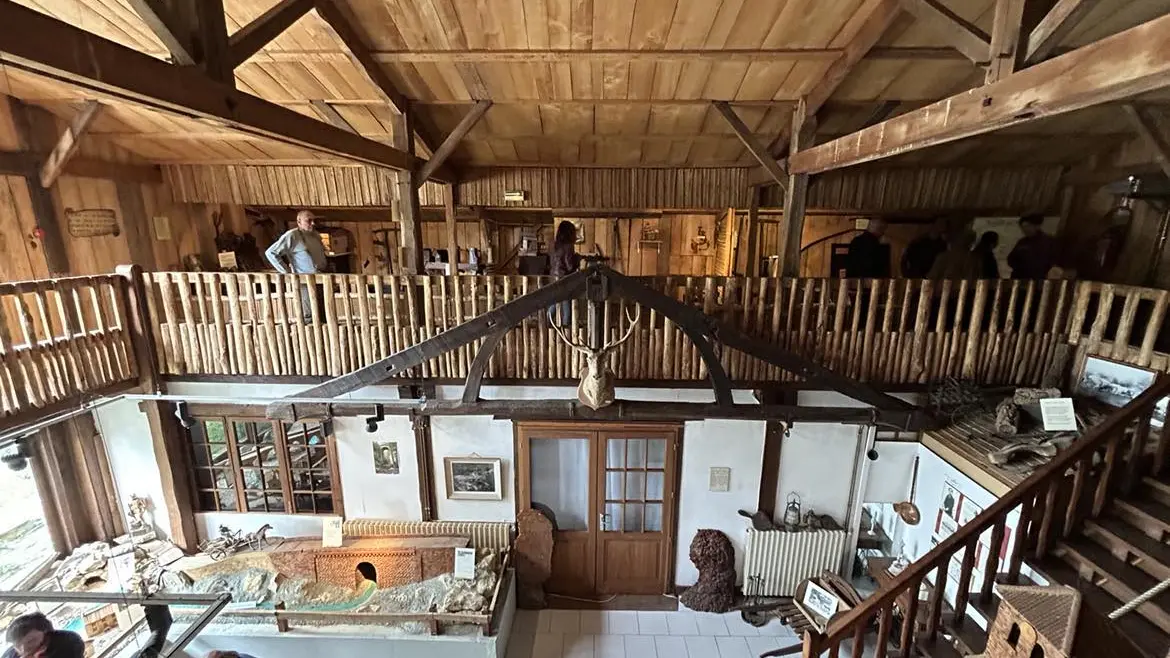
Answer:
(533, 557)
(714, 557)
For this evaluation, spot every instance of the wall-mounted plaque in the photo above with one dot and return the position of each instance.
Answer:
(91, 222)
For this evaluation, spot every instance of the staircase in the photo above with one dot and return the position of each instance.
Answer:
(1097, 518)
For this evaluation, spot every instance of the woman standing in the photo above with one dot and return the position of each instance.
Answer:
(564, 261)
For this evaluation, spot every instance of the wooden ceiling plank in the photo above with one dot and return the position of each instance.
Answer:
(329, 115)
(1057, 24)
(344, 26)
(962, 35)
(164, 25)
(46, 46)
(69, 143)
(871, 32)
(753, 145)
(1126, 64)
(1005, 39)
(1150, 134)
(248, 40)
(452, 142)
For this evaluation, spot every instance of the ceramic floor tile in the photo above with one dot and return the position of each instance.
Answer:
(710, 624)
(682, 623)
(526, 622)
(759, 644)
(775, 629)
(579, 646)
(701, 646)
(619, 622)
(729, 647)
(548, 645)
(520, 646)
(565, 622)
(610, 646)
(542, 617)
(670, 647)
(653, 623)
(737, 626)
(592, 622)
(640, 646)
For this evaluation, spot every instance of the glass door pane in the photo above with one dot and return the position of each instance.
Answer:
(560, 480)
(635, 484)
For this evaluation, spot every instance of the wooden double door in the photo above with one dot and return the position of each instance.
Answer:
(612, 491)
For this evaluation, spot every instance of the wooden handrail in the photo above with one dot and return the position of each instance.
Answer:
(939, 556)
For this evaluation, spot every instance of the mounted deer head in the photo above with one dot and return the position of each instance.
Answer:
(596, 389)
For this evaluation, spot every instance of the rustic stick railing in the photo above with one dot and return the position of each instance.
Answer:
(61, 341)
(885, 331)
(1052, 504)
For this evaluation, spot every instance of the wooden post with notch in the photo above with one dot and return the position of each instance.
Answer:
(409, 212)
(795, 198)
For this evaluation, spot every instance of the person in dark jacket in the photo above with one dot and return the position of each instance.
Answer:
(564, 261)
(958, 261)
(1035, 253)
(922, 251)
(985, 252)
(869, 257)
(32, 636)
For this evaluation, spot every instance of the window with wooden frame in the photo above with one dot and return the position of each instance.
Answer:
(253, 465)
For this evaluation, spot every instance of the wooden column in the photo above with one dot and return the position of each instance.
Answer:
(52, 243)
(205, 26)
(423, 455)
(409, 212)
(1007, 41)
(452, 227)
(169, 440)
(792, 226)
(752, 267)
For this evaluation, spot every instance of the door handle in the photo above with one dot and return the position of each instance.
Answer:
(603, 521)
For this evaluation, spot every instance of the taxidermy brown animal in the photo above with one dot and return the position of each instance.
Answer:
(596, 389)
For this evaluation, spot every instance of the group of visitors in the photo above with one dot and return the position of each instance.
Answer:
(32, 635)
(948, 251)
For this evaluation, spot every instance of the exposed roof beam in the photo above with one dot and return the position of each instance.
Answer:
(452, 142)
(260, 32)
(961, 34)
(68, 143)
(24, 163)
(330, 115)
(162, 23)
(1149, 132)
(1120, 66)
(758, 150)
(1006, 39)
(1055, 26)
(41, 44)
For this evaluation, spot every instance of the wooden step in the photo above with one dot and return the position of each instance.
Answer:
(1156, 490)
(1119, 537)
(1145, 636)
(1124, 581)
(968, 638)
(940, 647)
(1149, 517)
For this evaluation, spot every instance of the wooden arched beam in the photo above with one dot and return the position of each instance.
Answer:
(479, 365)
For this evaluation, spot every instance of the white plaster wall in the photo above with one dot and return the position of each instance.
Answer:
(462, 436)
(368, 494)
(737, 444)
(132, 461)
(817, 464)
(892, 473)
(283, 525)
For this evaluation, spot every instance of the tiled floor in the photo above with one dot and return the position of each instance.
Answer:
(630, 634)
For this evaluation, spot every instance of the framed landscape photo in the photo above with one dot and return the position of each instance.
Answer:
(474, 478)
(1115, 384)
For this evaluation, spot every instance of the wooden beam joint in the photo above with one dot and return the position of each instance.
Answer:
(69, 143)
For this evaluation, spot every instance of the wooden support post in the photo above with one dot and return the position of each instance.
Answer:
(170, 452)
(961, 35)
(752, 267)
(792, 228)
(44, 211)
(1006, 38)
(409, 212)
(770, 466)
(1120, 66)
(423, 455)
(69, 143)
(164, 25)
(1150, 134)
(753, 145)
(452, 228)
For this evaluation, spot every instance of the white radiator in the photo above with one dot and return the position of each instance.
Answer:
(776, 561)
(483, 534)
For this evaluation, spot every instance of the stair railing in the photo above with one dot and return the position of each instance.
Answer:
(1052, 503)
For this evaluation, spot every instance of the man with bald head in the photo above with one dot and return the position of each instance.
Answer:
(299, 250)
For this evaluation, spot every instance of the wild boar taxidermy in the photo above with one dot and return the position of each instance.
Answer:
(596, 389)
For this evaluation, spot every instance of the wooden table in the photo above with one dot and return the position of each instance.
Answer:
(879, 570)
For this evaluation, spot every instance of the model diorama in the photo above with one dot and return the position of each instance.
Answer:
(1034, 621)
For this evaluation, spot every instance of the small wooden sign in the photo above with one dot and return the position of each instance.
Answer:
(92, 222)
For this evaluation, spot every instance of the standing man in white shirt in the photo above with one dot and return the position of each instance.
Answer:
(300, 251)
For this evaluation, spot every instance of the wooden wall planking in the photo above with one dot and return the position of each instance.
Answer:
(23, 258)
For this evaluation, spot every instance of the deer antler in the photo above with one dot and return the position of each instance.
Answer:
(629, 330)
(576, 346)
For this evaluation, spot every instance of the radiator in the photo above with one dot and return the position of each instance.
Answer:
(776, 561)
(483, 534)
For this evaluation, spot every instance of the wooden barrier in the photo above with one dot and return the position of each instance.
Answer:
(62, 341)
(887, 331)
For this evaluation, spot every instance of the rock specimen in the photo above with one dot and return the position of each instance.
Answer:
(534, 547)
(1007, 418)
(473, 595)
(714, 557)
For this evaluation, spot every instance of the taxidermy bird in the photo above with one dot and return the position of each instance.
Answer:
(596, 389)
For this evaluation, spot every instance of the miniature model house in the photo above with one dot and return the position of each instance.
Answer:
(1034, 622)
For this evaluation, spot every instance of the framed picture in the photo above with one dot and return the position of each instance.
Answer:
(1113, 383)
(820, 601)
(474, 478)
(386, 458)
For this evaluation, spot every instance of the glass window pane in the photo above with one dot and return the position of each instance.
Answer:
(214, 431)
(613, 485)
(560, 480)
(263, 432)
(635, 485)
(653, 517)
(613, 518)
(633, 518)
(203, 478)
(253, 478)
(615, 450)
(202, 458)
(272, 479)
(241, 430)
(657, 449)
(219, 455)
(275, 503)
(207, 501)
(303, 503)
(256, 501)
(636, 455)
(227, 500)
(223, 479)
(655, 485)
(268, 455)
(248, 456)
(324, 504)
(322, 482)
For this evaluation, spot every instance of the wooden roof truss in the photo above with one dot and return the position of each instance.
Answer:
(597, 285)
